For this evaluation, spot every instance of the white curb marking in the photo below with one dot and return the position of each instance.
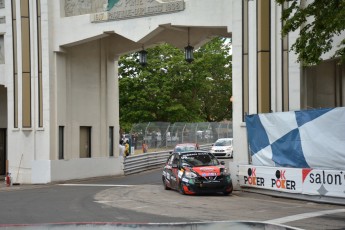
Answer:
(98, 185)
(303, 216)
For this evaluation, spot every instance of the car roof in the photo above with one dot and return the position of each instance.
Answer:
(184, 144)
(191, 151)
(225, 138)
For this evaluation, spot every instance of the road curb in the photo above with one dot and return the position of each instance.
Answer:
(311, 198)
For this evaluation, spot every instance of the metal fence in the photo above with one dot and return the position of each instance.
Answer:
(166, 135)
(142, 162)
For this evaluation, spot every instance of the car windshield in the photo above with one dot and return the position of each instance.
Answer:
(223, 143)
(184, 148)
(199, 159)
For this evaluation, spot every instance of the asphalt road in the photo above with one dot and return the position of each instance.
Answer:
(141, 198)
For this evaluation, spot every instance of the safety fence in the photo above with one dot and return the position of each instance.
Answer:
(165, 135)
(142, 162)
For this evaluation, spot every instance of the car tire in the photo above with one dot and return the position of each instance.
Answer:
(228, 192)
(165, 184)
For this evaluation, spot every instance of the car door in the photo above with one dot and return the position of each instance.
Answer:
(175, 170)
(167, 172)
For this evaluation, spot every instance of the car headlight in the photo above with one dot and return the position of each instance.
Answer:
(229, 148)
(225, 171)
(189, 174)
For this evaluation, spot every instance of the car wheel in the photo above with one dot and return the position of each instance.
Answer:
(227, 192)
(180, 189)
(165, 184)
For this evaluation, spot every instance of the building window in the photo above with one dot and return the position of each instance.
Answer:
(245, 61)
(323, 85)
(61, 142)
(285, 65)
(26, 63)
(15, 65)
(263, 56)
(85, 142)
(111, 141)
(2, 50)
(39, 52)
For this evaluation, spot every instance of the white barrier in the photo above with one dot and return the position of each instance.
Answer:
(291, 180)
(219, 225)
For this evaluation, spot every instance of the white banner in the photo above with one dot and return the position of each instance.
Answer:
(305, 181)
(273, 178)
(324, 182)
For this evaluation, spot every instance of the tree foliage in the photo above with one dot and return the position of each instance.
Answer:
(319, 21)
(170, 89)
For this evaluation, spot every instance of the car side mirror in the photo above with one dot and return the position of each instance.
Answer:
(222, 162)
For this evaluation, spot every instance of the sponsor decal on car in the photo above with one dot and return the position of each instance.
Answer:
(207, 171)
(185, 180)
(180, 173)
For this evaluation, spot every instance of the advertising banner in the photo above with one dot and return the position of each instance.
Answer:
(273, 178)
(324, 182)
(330, 183)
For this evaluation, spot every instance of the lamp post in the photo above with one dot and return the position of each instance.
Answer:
(188, 51)
(143, 57)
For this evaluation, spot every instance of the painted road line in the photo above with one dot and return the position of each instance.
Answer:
(98, 185)
(112, 201)
(303, 216)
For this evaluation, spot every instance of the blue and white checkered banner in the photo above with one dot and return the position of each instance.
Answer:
(298, 139)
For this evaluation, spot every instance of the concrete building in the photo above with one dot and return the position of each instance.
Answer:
(59, 110)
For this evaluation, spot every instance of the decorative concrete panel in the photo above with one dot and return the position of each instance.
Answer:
(79, 7)
(124, 9)
(104, 10)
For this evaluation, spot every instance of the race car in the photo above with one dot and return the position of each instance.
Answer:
(196, 172)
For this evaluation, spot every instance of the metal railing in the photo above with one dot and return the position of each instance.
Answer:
(148, 161)
(167, 135)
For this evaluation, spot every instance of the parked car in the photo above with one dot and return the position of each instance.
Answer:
(223, 148)
(196, 172)
(185, 147)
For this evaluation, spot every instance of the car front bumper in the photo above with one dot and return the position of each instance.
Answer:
(222, 153)
(204, 186)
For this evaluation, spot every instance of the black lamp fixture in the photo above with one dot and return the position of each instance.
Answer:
(188, 51)
(143, 57)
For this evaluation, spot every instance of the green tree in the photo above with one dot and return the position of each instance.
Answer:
(170, 89)
(319, 22)
(213, 68)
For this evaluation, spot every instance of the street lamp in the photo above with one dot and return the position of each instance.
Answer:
(143, 57)
(188, 51)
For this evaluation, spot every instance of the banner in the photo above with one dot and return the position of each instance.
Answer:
(279, 179)
(330, 183)
(323, 182)
(298, 139)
